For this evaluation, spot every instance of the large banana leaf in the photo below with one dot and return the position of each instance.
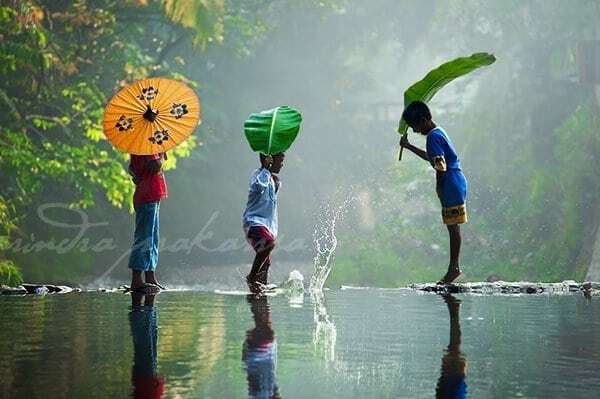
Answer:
(425, 89)
(272, 131)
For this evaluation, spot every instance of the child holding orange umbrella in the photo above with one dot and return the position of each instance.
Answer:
(150, 189)
(146, 119)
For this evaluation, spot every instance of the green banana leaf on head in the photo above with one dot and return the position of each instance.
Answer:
(273, 131)
(426, 88)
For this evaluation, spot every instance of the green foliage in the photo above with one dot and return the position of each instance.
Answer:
(272, 131)
(60, 63)
(204, 18)
(9, 274)
(426, 88)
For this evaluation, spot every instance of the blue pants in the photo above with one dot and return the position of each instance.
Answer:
(144, 253)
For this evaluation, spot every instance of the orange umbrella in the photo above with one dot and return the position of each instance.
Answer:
(151, 116)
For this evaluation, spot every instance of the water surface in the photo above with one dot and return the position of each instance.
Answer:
(350, 344)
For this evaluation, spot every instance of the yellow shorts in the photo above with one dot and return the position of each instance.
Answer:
(455, 214)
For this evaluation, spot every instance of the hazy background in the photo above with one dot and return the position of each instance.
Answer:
(526, 129)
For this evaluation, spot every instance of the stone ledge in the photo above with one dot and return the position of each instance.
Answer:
(516, 287)
(37, 289)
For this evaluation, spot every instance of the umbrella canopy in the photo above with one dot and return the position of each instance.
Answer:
(272, 131)
(151, 116)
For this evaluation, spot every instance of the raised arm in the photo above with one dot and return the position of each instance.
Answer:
(416, 150)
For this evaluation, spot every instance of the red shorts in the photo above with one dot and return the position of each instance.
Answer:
(260, 238)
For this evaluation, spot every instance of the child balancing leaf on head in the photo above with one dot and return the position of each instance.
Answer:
(270, 133)
(451, 184)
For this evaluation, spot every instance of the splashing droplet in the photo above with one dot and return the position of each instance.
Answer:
(325, 241)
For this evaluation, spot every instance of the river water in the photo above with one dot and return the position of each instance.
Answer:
(352, 343)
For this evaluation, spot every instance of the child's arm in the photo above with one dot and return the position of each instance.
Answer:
(416, 150)
(155, 165)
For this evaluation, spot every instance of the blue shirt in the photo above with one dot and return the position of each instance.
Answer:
(439, 144)
(261, 209)
(443, 155)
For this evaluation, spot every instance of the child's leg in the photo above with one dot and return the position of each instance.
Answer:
(136, 279)
(260, 265)
(139, 259)
(455, 242)
(263, 243)
(453, 267)
(257, 273)
(262, 261)
(263, 274)
(454, 212)
(150, 274)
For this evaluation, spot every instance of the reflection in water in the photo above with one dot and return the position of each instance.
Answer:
(325, 334)
(260, 352)
(388, 345)
(144, 331)
(451, 384)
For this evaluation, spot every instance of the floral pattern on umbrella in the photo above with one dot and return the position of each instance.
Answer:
(148, 93)
(124, 123)
(179, 110)
(159, 136)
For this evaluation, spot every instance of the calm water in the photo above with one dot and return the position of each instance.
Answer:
(349, 344)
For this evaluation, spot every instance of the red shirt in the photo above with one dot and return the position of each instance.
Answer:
(150, 186)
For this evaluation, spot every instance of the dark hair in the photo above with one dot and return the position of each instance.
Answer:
(263, 156)
(416, 111)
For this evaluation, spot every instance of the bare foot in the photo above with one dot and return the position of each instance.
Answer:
(450, 276)
(151, 279)
(145, 289)
(255, 286)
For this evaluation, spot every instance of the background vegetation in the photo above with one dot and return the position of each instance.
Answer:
(526, 130)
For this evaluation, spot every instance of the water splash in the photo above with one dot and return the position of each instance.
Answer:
(325, 242)
(325, 333)
(294, 289)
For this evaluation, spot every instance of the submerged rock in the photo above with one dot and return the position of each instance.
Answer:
(503, 287)
(122, 288)
(441, 289)
(531, 290)
(37, 289)
(65, 289)
(6, 290)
